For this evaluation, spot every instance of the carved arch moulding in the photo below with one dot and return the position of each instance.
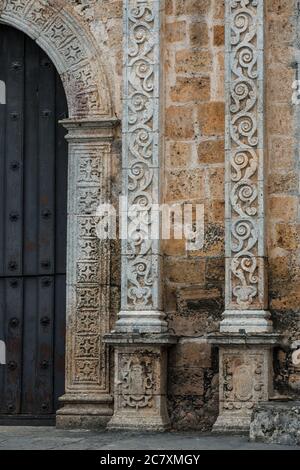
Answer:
(64, 37)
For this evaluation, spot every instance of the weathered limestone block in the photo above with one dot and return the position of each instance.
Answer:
(276, 423)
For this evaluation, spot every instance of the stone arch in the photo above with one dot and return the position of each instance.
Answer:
(71, 48)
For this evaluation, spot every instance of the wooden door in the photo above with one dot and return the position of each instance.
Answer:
(33, 193)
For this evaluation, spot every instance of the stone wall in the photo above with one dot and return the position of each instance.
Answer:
(194, 172)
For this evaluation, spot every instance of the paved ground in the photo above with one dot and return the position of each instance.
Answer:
(33, 438)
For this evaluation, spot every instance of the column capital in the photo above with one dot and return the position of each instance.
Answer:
(118, 339)
(91, 130)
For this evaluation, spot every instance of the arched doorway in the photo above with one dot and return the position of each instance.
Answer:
(33, 215)
(80, 59)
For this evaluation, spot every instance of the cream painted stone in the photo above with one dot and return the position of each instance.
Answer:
(250, 321)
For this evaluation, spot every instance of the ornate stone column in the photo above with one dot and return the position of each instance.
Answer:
(87, 401)
(141, 167)
(139, 338)
(246, 258)
(246, 329)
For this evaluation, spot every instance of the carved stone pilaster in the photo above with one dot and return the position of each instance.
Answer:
(246, 258)
(141, 308)
(246, 340)
(87, 402)
(138, 339)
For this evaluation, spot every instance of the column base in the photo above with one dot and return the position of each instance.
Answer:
(250, 321)
(84, 412)
(146, 424)
(141, 322)
(140, 386)
(246, 377)
(232, 424)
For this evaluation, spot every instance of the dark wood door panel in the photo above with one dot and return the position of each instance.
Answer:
(33, 193)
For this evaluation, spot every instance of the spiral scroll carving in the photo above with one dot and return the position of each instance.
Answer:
(140, 157)
(245, 160)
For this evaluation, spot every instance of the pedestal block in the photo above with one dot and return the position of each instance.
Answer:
(140, 385)
(84, 412)
(246, 377)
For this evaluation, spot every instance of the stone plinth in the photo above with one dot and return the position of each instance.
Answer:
(84, 412)
(276, 423)
(140, 385)
(246, 373)
(251, 321)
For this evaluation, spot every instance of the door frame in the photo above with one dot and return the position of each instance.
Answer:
(91, 126)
